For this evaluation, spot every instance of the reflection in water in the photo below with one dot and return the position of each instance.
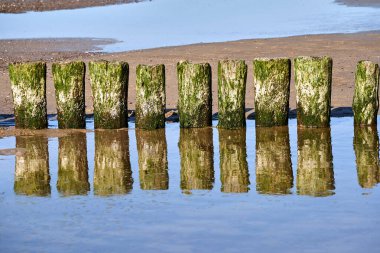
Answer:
(366, 146)
(274, 174)
(197, 164)
(32, 167)
(112, 169)
(233, 160)
(153, 162)
(315, 175)
(72, 165)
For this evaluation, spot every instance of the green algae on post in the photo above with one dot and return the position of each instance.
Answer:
(150, 97)
(313, 76)
(28, 84)
(232, 77)
(195, 97)
(234, 173)
(109, 85)
(69, 83)
(271, 79)
(153, 161)
(366, 102)
(274, 174)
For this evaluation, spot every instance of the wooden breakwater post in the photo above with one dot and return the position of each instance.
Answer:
(232, 78)
(69, 83)
(365, 104)
(109, 85)
(150, 96)
(28, 84)
(271, 79)
(313, 76)
(195, 97)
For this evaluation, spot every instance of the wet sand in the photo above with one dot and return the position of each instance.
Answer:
(345, 49)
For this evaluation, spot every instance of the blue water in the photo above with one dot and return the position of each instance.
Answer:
(160, 23)
(341, 216)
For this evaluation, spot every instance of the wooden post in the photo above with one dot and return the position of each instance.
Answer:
(69, 83)
(112, 169)
(366, 146)
(271, 79)
(195, 97)
(72, 165)
(274, 174)
(32, 166)
(197, 159)
(232, 77)
(153, 162)
(366, 102)
(150, 97)
(315, 175)
(28, 84)
(313, 77)
(109, 84)
(233, 160)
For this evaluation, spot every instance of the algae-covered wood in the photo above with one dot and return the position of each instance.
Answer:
(315, 174)
(366, 146)
(271, 79)
(28, 84)
(73, 165)
(109, 85)
(69, 83)
(313, 76)
(197, 159)
(153, 161)
(150, 96)
(232, 78)
(274, 174)
(234, 173)
(365, 104)
(195, 97)
(32, 166)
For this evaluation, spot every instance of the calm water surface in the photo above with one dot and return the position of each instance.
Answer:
(200, 190)
(160, 23)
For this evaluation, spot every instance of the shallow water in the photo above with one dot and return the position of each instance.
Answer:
(200, 190)
(162, 23)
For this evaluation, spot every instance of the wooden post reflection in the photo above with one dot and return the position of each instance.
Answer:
(32, 166)
(153, 162)
(315, 175)
(197, 163)
(366, 146)
(274, 174)
(234, 173)
(72, 165)
(112, 172)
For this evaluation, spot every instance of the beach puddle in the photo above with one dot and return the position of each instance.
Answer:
(171, 189)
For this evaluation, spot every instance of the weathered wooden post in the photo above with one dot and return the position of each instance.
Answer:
(109, 84)
(28, 84)
(232, 78)
(197, 159)
(271, 79)
(150, 96)
(153, 162)
(32, 166)
(112, 166)
(195, 97)
(366, 146)
(366, 102)
(315, 174)
(234, 173)
(274, 174)
(69, 83)
(313, 77)
(72, 165)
